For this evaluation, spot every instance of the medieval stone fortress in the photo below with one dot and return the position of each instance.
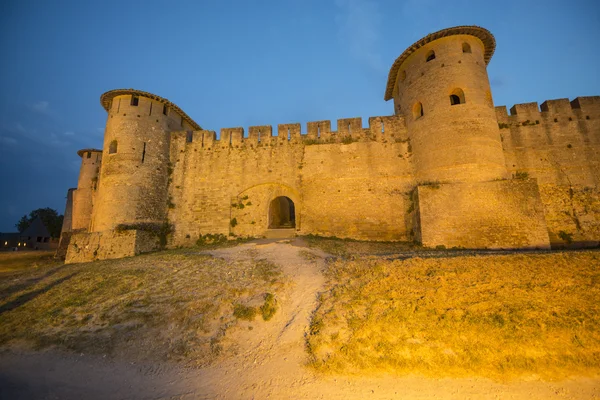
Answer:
(446, 169)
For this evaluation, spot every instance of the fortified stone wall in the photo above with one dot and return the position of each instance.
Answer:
(559, 145)
(451, 142)
(496, 214)
(67, 227)
(134, 173)
(91, 246)
(447, 169)
(83, 197)
(348, 183)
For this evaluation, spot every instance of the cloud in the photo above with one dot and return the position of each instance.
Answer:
(8, 140)
(42, 107)
(358, 22)
(69, 133)
(56, 141)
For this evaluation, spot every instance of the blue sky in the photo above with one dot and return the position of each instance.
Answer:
(242, 63)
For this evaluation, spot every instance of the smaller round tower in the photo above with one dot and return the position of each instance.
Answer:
(133, 185)
(441, 87)
(83, 196)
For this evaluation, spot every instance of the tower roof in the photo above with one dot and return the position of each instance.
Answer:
(483, 34)
(81, 152)
(107, 97)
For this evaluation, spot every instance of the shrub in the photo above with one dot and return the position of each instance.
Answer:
(348, 139)
(241, 311)
(233, 222)
(269, 308)
(567, 237)
(159, 230)
(210, 238)
(521, 175)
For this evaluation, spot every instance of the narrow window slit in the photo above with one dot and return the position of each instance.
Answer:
(144, 152)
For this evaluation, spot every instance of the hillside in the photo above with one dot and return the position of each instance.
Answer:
(313, 318)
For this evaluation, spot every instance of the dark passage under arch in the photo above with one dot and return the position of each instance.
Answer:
(282, 213)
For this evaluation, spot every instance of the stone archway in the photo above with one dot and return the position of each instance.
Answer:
(282, 213)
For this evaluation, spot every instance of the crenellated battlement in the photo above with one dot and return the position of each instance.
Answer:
(382, 128)
(518, 177)
(549, 111)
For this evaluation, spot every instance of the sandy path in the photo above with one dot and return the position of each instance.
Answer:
(269, 361)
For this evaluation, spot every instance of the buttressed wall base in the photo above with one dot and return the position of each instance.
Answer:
(446, 169)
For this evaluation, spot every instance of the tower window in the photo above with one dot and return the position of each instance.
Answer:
(402, 76)
(418, 110)
(89, 154)
(165, 109)
(112, 148)
(135, 100)
(466, 48)
(430, 56)
(457, 97)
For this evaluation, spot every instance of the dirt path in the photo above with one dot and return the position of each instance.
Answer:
(268, 362)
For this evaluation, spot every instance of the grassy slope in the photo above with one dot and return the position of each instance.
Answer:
(496, 316)
(17, 261)
(166, 306)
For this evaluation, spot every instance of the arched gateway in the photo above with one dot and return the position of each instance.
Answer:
(282, 213)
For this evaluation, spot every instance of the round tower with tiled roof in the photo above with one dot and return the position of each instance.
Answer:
(133, 184)
(440, 85)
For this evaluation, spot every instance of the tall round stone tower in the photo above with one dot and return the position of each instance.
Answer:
(91, 160)
(133, 185)
(440, 85)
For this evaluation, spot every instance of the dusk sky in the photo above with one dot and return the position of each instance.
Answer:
(242, 63)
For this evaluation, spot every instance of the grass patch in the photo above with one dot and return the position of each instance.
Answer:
(174, 305)
(242, 311)
(13, 261)
(495, 316)
(269, 308)
(349, 247)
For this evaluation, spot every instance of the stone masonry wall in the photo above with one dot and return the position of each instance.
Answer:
(92, 246)
(349, 183)
(559, 145)
(497, 214)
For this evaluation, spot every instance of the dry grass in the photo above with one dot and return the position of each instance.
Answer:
(495, 316)
(174, 305)
(11, 261)
(351, 248)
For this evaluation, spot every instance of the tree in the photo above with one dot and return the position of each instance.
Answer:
(52, 219)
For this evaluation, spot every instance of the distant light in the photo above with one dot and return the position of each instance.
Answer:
(24, 244)
(6, 243)
(19, 244)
